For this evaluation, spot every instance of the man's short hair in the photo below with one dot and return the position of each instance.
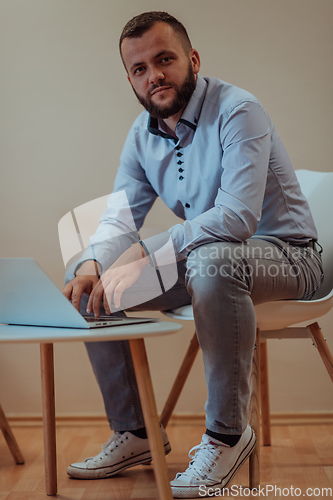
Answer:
(140, 24)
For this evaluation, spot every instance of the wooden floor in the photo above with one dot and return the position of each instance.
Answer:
(300, 457)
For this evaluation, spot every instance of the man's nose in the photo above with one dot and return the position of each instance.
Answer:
(155, 76)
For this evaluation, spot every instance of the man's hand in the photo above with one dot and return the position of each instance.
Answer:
(120, 276)
(86, 278)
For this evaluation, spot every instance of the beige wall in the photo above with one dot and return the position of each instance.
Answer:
(65, 110)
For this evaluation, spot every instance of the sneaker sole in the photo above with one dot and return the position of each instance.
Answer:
(105, 472)
(194, 492)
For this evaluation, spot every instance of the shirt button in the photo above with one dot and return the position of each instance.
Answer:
(179, 155)
(181, 177)
(187, 205)
(179, 162)
(180, 170)
(177, 148)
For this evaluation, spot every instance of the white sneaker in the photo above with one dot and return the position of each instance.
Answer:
(213, 465)
(120, 452)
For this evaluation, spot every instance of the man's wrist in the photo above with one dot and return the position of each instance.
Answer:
(88, 268)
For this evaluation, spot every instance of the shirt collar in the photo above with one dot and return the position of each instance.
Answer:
(191, 114)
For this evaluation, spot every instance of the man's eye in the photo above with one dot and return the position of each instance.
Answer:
(139, 70)
(166, 59)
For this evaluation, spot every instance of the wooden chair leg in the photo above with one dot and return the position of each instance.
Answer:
(323, 348)
(10, 438)
(180, 380)
(264, 394)
(149, 409)
(47, 376)
(254, 417)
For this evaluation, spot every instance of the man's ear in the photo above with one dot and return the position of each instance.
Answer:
(129, 80)
(195, 61)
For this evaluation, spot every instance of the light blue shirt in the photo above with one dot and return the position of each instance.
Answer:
(227, 175)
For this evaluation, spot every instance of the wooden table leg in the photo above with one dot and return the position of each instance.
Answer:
(50, 457)
(10, 438)
(148, 404)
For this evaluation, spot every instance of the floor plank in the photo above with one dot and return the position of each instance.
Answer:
(301, 456)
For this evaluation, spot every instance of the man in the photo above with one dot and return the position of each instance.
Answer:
(211, 152)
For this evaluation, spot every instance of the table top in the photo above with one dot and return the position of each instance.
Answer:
(45, 335)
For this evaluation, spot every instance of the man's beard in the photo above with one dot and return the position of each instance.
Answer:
(183, 95)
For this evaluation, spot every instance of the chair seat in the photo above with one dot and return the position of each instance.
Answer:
(283, 313)
(184, 313)
(275, 315)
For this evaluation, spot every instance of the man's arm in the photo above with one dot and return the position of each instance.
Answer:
(128, 206)
(245, 137)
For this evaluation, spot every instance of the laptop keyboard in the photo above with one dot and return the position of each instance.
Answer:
(92, 319)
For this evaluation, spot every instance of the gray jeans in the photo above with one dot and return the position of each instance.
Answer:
(223, 281)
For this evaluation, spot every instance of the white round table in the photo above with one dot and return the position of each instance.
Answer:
(136, 334)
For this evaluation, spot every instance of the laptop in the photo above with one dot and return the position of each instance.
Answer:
(28, 297)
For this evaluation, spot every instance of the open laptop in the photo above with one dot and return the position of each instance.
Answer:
(28, 297)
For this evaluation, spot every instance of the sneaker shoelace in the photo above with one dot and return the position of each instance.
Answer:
(203, 461)
(115, 439)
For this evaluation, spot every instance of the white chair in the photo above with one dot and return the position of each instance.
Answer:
(276, 319)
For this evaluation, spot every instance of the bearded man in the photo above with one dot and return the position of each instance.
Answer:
(212, 153)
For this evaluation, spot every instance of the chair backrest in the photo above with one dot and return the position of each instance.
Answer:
(317, 187)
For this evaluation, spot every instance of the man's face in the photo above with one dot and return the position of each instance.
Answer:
(162, 75)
